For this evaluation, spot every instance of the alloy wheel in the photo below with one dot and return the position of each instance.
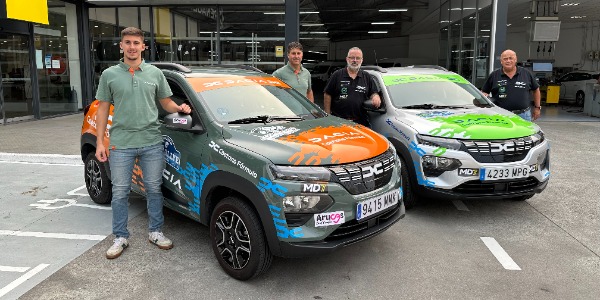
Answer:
(234, 241)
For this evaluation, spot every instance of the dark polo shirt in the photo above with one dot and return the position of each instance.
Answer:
(511, 94)
(348, 95)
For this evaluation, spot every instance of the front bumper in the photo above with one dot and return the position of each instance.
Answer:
(476, 189)
(349, 233)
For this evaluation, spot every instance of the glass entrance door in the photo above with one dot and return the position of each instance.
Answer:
(16, 78)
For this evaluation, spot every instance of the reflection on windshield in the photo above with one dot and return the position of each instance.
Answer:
(240, 102)
(437, 93)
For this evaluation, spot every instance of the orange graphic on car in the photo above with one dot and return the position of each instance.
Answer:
(89, 126)
(335, 145)
(201, 84)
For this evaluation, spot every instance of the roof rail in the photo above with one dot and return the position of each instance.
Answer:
(171, 67)
(374, 68)
(428, 66)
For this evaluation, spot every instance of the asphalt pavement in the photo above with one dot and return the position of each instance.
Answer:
(441, 250)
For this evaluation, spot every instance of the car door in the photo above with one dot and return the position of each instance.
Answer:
(565, 82)
(183, 152)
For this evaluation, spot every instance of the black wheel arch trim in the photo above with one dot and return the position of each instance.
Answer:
(249, 191)
(405, 155)
(88, 144)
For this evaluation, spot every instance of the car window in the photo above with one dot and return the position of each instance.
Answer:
(178, 97)
(436, 93)
(567, 77)
(228, 104)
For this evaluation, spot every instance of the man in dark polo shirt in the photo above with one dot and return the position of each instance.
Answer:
(511, 87)
(348, 88)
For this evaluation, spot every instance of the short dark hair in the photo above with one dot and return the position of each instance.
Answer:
(294, 45)
(132, 31)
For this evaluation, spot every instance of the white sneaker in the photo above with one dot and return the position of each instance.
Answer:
(158, 238)
(119, 244)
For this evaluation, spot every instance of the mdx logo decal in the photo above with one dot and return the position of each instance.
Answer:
(466, 172)
(314, 188)
(172, 156)
(330, 218)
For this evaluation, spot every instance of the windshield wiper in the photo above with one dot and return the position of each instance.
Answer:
(266, 119)
(432, 106)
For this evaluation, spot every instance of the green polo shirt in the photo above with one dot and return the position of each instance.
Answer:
(300, 82)
(134, 96)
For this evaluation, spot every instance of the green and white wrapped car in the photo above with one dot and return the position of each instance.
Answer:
(453, 141)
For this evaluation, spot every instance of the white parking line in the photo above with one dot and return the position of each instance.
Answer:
(23, 278)
(501, 255)
(13, 269)
(68, 236)
(460, 205)
(74, 192)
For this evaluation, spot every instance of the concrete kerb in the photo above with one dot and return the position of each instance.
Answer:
(55, 159)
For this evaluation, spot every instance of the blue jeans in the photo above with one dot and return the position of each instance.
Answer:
(152, 163)
(526, 115)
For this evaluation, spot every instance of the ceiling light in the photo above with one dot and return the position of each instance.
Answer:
(577, 17)
(281, 25)
(393, 10)
(485, 30)
(508, 24)
(317, 52)
(312, 24)
(308, 12)
(378, 31)
(570, 4)
(526, 17)
(274, 13)
(383, 23)
(214, 32)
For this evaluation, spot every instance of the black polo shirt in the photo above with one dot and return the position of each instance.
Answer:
(348, 95)
(511, 93)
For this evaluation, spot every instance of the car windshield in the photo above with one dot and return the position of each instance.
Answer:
(252, 101)
(433, 91)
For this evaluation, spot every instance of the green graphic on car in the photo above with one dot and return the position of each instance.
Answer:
(453, 142)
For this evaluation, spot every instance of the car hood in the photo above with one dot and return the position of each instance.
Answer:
(473, 123)
(323, 141)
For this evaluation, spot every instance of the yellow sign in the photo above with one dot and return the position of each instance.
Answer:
(278, 51)
(31, 10)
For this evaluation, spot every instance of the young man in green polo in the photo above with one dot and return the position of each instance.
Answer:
(134, 88)
(294, 74)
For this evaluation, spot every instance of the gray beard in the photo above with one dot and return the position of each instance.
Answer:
(354, 69)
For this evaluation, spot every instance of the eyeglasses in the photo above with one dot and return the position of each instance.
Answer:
(354, 58)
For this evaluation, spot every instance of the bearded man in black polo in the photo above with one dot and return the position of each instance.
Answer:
(348, 88)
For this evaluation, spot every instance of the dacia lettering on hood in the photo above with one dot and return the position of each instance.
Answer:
(291, 144)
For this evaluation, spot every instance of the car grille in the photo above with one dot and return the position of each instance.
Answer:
(479, 187)
(365, 176)
(353, 227)
(499, 151)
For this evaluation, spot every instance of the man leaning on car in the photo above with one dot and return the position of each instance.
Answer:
(511, 87)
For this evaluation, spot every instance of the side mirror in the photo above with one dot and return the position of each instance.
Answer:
(368, 106)
(181, 122)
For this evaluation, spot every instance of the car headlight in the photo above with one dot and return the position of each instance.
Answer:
(300, 173)
(434, 166)
(306, 204)
(538, 138)
(452, 144)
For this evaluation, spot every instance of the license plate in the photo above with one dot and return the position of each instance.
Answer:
(487, 174)
(367, 208)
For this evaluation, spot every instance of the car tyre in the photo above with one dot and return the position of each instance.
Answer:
(409, 196)
(97, 182)
(238, 239)
(579, 98)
